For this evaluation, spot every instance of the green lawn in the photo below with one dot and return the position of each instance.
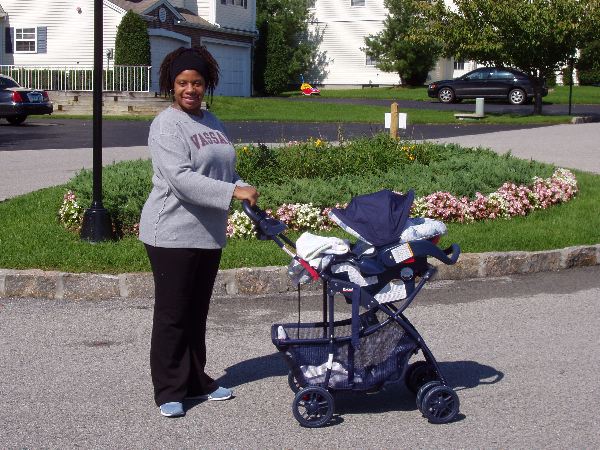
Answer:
(283, 110)
(583, 95)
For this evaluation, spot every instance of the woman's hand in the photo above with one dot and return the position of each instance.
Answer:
(246, 193)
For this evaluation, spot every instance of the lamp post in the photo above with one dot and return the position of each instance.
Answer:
(97, 226)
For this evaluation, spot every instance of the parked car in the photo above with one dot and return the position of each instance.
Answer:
(16, 102)
(488, 82)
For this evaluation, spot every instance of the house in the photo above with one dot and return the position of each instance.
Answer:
(61, 33)
(343, 25)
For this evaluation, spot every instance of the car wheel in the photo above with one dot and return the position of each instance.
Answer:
(16, 120)
(446, 95)
(517, 96)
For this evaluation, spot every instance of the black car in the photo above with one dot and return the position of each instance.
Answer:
(16, 102)
(488, 82)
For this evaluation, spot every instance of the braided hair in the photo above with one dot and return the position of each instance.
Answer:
(212, 72)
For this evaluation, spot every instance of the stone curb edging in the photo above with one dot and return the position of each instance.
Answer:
(261, 281)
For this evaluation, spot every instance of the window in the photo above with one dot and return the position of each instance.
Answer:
(25, 40)
(357, 2)
(459, 65)
(370, 61)
(242, 3)
(478, 75)
(310, 3)
(503, 75)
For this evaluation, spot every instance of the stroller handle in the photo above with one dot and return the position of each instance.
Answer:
(266, 227)
(254, 212)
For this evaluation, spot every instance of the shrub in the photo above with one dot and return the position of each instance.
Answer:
(125, 186)
(132, 43)
(318, 173)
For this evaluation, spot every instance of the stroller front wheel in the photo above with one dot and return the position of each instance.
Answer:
(440, 404)
(313, 406)
(423, 390)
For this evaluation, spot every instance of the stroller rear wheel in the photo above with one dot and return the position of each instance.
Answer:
(294, 385)
(418, 374)
(440, 404)
(313, 407)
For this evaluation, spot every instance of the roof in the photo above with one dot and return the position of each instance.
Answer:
(138, 6)
(143, 6)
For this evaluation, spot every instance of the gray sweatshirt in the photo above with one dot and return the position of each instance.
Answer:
(193, 182)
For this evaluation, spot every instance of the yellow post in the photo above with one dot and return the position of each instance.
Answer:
(394, 121)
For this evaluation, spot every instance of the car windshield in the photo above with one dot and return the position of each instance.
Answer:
(7, 83)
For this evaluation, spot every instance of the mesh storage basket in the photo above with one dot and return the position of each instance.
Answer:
(382, 353)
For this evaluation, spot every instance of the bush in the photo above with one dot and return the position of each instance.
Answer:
(322, 174)
(125, 187)
(132, 43)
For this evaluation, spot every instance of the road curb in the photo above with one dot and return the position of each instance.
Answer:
(261, 281)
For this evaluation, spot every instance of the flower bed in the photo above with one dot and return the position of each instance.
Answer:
(508, 201)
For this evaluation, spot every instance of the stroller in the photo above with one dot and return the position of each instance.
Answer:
(379, 276)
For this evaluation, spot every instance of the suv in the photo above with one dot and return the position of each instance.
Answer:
(16, 102)
(488, 82)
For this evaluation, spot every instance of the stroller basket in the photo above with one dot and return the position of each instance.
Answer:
(382, 355)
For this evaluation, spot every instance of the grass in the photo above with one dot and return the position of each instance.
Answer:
(583, 95)
(30, 236)
(282, 110)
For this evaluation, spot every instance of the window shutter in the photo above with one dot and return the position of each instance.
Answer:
(42, 42)
(8, 40)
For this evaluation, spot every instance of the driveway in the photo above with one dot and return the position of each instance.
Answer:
(521, 352)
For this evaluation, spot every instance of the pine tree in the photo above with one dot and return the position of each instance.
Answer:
(132, 44)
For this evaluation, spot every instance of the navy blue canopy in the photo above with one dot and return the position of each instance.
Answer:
(378, 218)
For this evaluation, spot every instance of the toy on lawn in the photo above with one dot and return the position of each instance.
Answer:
(307, 89)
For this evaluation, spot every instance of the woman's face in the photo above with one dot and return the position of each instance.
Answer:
(189, 91)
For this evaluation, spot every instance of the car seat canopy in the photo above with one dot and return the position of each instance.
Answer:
(378, 218)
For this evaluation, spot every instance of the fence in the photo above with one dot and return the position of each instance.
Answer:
(80, 78)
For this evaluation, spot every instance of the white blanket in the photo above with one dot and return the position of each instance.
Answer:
(310, 246)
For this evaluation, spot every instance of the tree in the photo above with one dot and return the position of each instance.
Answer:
(537, 36)
(588, 64)
(132, 43)
(284, 49)
(405, 45)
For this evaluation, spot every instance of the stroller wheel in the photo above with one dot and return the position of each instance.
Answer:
(294, 385)
(418, 374)
(313, 407)
(423, 390)
(440, 404)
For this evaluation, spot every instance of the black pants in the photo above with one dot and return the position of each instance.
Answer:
(183, 284)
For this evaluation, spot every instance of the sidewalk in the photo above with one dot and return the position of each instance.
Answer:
(569, 146)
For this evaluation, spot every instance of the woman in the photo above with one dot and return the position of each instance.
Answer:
(183, 227)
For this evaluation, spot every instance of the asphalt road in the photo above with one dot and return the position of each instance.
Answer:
(521, 351)
(56, 133)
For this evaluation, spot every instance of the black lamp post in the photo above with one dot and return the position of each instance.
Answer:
(96, 224)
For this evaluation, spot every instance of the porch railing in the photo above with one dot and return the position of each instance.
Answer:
(80, 78)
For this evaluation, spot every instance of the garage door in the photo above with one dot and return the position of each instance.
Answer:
(234, 62)
(160, 46)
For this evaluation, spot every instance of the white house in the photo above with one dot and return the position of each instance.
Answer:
(61, 33)
(343, 25)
